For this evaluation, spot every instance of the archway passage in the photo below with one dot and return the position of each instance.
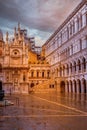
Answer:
(0, 85)
(75, 86)
(62, 87)
(84, 85)
(79, 83)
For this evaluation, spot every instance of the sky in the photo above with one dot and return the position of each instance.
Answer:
(40, 17)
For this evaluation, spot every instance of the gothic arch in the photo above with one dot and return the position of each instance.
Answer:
(71, 67)
(84, 64)
(71, 86)
(79, 64)
(84, 86)
(75, 86)
(79, 85)
(67, 85)
(74, 65)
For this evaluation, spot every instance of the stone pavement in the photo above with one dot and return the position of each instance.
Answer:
(45, 112)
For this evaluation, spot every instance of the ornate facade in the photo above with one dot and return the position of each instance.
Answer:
(66, 52)
(21, 67)
(62, 65)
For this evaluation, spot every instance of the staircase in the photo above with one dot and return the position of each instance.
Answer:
(44, 87)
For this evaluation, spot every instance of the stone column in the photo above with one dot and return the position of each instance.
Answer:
(40, 74)
(82, 86)
(77, 85)
(35, 73)
(69, 87)
(73, 85)
(65, 70)
(66, 87)
(58, 72)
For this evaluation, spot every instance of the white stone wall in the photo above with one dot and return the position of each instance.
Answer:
(66, 46)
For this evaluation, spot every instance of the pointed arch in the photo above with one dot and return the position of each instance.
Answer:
(62, 86)
(71, 86)
(79, 85)
(84, 85)
(84, 64)
(79, 65)
(75, 86)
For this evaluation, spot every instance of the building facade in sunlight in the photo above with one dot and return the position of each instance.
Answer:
(66, 52)
(60, 65)
(21, 67)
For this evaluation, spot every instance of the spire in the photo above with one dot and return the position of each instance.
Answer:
(15, 31)
(18, 27)
(7, 37)
(19, 36)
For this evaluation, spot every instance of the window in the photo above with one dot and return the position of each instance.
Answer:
(48, 74)
(32, 74)
(24, 77)
(43, 74)
(84, 64)
(79, 65)
(37, 74)
(75, 66)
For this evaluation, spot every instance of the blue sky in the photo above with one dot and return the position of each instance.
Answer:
(40, 17)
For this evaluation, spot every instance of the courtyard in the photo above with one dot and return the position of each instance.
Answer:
(45, 111)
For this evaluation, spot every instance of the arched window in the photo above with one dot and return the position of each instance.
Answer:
(48, 74)
(75, 86)
(74, 66)
(67, 69)
(24, 77)
(79, 85)
(71, 67)
(71, 86)
(60, 71)
(43, 74)
(63, 70)
(37, 74)
(84, 64)
(67, 86)
(79, 65)
(32, 74)
(84, 85)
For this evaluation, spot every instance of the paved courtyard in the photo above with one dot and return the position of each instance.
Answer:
(45, 111)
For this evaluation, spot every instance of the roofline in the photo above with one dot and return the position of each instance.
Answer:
(67, 19)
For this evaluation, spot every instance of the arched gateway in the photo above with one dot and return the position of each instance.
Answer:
(62, 87)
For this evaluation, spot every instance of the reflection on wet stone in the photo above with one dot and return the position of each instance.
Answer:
(48, 114)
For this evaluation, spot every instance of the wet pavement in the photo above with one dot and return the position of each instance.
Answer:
(45, 111)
